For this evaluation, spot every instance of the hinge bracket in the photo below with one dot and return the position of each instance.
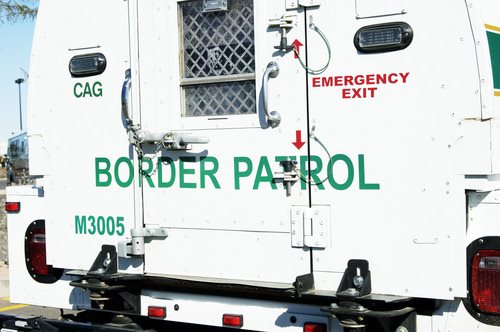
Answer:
(309, 226)
(135, 246)
(303, 284)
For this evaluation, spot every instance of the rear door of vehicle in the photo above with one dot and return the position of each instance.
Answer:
(201, 72)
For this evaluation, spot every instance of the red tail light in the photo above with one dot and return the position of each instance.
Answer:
(157, 312)
(485, 281)
(314, 327)
(36, 255)
(12, 207)
(232, 320)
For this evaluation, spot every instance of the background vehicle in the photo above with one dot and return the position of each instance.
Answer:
(264, 165)
(3, 154)
(17, 159)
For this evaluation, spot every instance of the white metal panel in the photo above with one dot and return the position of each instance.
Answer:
(75, 121)
(22, 287)
(371, 8)
(257, 315)
(484, 215)
(230, 210)
(472, 153)
(495, 148)
(228, 255)
(485, 14)
(452, 316)
(403, 208)
(480, 14)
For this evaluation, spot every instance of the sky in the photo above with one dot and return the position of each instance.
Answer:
(15, 50)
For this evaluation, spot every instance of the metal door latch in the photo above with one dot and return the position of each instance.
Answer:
(284, 23)
(135, 245)
(170, 140)
(288, 176)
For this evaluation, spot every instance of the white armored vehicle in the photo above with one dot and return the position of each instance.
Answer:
(280, 165)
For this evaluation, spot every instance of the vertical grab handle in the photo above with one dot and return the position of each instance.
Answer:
(272, 71)
(127, 84)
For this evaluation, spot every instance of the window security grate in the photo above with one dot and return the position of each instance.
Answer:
(219, 59)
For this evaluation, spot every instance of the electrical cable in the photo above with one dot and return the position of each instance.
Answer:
(327, 43)
(303, 176)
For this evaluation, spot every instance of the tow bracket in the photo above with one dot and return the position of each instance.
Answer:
(358, 311)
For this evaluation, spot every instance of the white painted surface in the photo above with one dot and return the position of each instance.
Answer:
(403, 153)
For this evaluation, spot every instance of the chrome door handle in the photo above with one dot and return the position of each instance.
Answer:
(127, 84)
(272, 71)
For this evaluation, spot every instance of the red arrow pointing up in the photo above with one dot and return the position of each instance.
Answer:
(298, 139)
(296, 45)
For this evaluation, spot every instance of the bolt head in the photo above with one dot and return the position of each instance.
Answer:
(358, 281)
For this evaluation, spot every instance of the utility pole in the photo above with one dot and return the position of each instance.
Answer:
(18, 82)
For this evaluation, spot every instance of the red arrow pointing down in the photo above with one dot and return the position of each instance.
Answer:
(296, 45)
(298, 139)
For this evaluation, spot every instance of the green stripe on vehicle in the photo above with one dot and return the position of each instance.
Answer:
(494, 43)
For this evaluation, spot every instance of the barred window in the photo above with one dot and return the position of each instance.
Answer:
(218, 72)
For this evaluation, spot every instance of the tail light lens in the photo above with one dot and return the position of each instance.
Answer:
(485, 281)
(157, 312)
(36, 254)
(232, 320)
(13, 207)
(314, 327)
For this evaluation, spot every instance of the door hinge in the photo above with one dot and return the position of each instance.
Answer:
(135, 246)
(310, 226)
(294, 4)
